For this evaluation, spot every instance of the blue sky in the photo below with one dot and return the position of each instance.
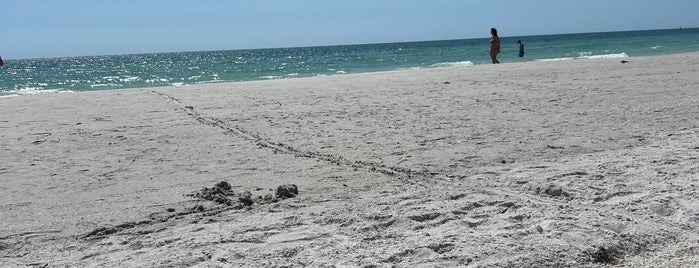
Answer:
(48, 28)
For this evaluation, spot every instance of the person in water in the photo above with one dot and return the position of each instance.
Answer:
(494, 45)
(521, 48)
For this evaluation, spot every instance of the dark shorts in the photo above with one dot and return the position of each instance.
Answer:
(521, 54)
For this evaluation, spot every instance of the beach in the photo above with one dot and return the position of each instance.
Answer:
(583, 163)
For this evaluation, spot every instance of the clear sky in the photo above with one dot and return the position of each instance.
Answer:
(52, 28)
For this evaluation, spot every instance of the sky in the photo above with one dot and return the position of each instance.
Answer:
(50, 28)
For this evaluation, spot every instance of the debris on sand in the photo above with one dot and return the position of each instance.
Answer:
(222, 193)
(553, 191)
(609, 255)
(287, 191)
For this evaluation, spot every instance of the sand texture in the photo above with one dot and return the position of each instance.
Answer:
(583, 163)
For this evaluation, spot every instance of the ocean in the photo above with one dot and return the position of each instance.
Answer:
(69, 74)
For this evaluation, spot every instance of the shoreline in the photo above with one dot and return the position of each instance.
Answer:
(460, 64)
(590, 162)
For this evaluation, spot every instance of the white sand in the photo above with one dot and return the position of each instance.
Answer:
(517, 165)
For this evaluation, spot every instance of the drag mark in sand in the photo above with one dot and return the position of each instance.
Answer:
(278, 147)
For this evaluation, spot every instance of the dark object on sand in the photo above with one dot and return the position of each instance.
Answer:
(246, 199)
(221, 193)
(223, 185)
(610, 255)
(554, 191)
(287, 191)
(624, 61)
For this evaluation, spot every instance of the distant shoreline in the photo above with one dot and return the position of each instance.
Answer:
(459, 66)
(37, 76)
(462, 67)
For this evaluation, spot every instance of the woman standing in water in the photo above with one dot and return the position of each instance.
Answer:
(494, 45)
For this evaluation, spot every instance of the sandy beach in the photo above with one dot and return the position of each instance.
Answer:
(582, 163)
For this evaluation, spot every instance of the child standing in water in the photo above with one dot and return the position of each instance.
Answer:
(521, 48)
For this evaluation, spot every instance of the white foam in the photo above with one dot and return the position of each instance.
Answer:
(106, 85)
(555, 59)
(111, 78)
(452, 64)
(31, 91)
(607, 56)
(130, 79)
(156, 80)
(588, 55)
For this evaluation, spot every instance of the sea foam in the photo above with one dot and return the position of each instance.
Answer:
(452, 64)
(31, 91)
(589, 56)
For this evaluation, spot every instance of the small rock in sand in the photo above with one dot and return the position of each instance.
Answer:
(610, 255)
(287, 191)
(554, 191)
(220, 193)
(246, 199)
(508, 204)
(223, 185)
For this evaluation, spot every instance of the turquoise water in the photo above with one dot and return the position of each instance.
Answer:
(38, 76)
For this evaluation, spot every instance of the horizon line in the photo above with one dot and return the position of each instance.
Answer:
(348, 44)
